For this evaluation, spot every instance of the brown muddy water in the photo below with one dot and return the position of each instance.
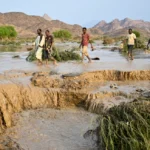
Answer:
(47, 116)
(108, 61)
(50, 129)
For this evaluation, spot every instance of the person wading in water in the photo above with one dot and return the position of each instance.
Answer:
(48, 48)
(84, 44)
(148, 45)
(131, 41)
(40, 41)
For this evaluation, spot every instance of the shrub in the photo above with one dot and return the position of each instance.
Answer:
(59, 56)
(137, 34)
(62, 34)
(108, 40)
(7, 32)
(140, 44)
(126, 127)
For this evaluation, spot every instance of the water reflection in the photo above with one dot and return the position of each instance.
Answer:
(10, 48)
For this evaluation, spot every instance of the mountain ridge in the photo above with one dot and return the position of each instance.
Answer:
(116, 25)
(26, 25)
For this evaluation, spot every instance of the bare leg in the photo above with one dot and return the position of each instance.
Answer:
(131, 56)
(89, 58)
(40, 62)
(82, 57)
(54, 61)
(46, 62)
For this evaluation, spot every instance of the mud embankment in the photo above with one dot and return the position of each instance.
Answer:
(115, 75)
(55, 92)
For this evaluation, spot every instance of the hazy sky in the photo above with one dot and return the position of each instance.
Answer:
(81, 11)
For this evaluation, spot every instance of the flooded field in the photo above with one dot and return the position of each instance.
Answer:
(108, 61)
(41, 109)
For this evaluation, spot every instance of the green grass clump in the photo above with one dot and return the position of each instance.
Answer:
(58, 55)
(126, 127)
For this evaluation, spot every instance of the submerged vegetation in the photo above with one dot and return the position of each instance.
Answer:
(126, 127)
(58, 55)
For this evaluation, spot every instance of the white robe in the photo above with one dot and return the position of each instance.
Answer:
(39, 47)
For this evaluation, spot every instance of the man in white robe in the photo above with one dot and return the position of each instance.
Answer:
(39, 44)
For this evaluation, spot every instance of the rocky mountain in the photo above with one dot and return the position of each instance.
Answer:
(26, 25)
(47, 17)
(119, 27)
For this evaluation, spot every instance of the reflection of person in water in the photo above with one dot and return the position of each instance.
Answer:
(148, 45)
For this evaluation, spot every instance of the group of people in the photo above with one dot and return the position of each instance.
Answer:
(44, 45)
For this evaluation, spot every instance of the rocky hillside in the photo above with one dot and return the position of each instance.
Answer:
(27, 25)
(47, 17)
(119, 27)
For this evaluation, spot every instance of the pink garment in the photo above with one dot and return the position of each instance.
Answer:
(85, 39)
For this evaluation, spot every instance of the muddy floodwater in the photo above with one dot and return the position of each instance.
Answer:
(42, 110)
(108, 61)
(50, 129)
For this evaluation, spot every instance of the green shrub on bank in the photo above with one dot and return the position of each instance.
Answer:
(62, 34)
(137, 34)
(140, 44)
(126, 127)
(108, 40)
(7, 32)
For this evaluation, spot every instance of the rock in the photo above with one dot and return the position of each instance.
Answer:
(29, 49)
(146, 94)
(16, 56)
(8, 144)
(139, 90)
(71, 75)
(96, 58)
(113, 86)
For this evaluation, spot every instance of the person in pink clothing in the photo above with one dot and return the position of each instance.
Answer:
(84, 44)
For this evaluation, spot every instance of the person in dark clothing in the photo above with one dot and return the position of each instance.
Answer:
(48, 48)
(148, 44)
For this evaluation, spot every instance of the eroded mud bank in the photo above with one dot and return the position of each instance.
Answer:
(53, 91)
(90, 90)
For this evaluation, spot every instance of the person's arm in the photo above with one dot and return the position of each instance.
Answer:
(52, 44)
(90, 42)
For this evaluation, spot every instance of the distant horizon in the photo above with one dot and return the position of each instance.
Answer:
(94, 21)
(84, 13)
